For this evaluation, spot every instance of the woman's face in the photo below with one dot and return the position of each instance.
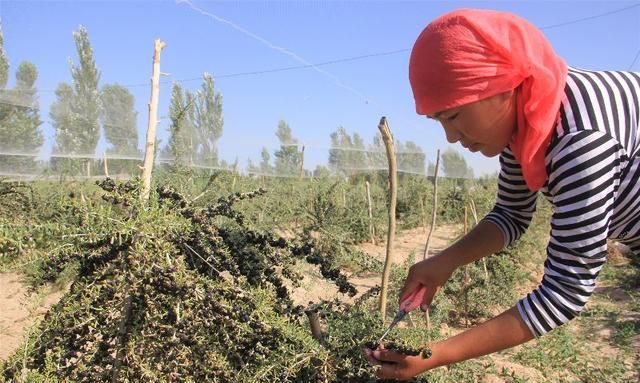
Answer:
(484, 126)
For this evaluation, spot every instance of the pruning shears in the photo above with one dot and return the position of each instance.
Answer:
(411, 302)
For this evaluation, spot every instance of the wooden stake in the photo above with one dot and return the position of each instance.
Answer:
(147, 166)
(431, 229)
(106, 166)
(424, 214)
(434, 207)
(302, 163)
(372, 227)
(465, 286)
(314, 322)
(387, 137)
(474, 212)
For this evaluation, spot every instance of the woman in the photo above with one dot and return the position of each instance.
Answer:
(495, 84)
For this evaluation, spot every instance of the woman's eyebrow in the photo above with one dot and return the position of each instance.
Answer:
(434, 116)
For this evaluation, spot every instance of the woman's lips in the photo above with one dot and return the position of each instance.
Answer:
(472, 147)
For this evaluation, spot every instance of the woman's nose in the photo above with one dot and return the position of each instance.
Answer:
(453, 136)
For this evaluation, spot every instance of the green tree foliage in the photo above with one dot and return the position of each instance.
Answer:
(265, 163)
(376, 154)
(287, 158)
(454, 165)
(358, 155)
(431, 169)
(251, 167)
(85, 82)
(4, 62)
(180, 145)
(19, 117)
(339, 154)
(207, 121)
(347, 154)
(62, 117)
(411, 158)
(119, 125)
(77, 108)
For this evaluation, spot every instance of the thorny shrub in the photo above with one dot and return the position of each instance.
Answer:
(178, 293)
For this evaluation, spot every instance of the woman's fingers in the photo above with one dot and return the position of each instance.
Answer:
(410, 285)
(389, 371)
(392, 365)
(388, 356)
(368, 355)
(428, 298)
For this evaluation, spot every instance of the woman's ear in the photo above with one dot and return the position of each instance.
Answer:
(508, 94)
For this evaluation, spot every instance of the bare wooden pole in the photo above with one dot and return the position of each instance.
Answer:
(314, 323)
(147, 166)
(387, 137)
(434, 212)
(434, 207)
(465, 285)
(372, 227)
(106, 166)
(423, 203)
(474, 212)
(88, 168)
(302, 163)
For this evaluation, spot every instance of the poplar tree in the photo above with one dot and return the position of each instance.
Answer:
(20, 135)
(76, 110)
(454, 165)
(265, 163)
(208, 121)
(180, 143)
(118, 117)
(287, 158)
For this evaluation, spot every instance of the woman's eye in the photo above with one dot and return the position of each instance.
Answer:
(452, 117)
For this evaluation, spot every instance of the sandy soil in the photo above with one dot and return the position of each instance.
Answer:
(314, 288)
(19, 310)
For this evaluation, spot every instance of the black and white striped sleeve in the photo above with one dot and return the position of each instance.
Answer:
(583, 178)
(515, 203)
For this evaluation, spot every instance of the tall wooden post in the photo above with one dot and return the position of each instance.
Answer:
(147, 166)
(474, 212)
(435, 207)
(372, 227)
(106, 166)
(467, 280)
(434, 213)
(302, 163)
(314, 322)
(387, 137)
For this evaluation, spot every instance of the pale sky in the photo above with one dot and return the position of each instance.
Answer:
(260, 53)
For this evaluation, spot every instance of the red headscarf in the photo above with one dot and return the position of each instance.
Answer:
(470, 54)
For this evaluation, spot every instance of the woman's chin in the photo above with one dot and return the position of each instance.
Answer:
(489, 152)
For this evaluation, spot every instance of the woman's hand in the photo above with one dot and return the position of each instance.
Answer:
(394, 365)
(484, 239)
(432, 273)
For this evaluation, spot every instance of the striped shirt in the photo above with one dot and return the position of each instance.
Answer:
(593, 167)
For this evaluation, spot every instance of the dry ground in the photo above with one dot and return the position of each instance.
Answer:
(19, 310)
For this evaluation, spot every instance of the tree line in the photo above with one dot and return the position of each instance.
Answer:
(84, 110)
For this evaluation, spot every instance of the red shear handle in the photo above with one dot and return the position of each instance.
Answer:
(414, 300)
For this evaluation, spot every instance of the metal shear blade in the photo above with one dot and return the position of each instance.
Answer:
(399, 316)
